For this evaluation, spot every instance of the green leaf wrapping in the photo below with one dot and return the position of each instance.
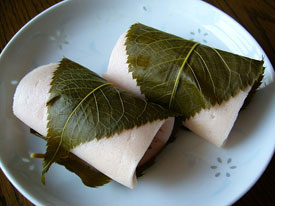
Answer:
(184, 75)
(89, 175)
(83, 106)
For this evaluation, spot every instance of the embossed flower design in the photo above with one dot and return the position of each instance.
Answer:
(226, 166)
(22, 165)
(14, 82)
(59, 38)
(199, 35)
(191, 158)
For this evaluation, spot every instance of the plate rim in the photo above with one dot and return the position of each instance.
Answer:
(18, 186)
(35, 200)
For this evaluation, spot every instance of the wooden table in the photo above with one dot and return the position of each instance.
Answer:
(257, 16)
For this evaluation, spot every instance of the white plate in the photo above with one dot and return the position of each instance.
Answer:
(190, 171)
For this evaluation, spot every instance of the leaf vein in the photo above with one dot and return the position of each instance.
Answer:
(67, 121)
(179, 73)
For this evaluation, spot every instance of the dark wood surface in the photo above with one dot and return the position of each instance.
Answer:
(257, 16)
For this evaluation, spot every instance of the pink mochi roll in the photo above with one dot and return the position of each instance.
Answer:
(212, 124)
(117, 156)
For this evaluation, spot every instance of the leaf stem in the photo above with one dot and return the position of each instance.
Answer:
(37, 155)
